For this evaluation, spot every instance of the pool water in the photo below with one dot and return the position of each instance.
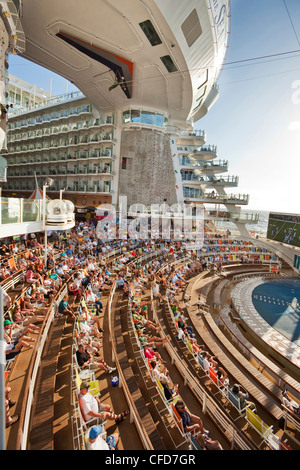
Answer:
(278, 303)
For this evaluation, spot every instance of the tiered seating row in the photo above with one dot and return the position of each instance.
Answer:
(272, 440)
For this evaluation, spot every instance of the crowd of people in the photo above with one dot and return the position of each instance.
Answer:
(78, 258)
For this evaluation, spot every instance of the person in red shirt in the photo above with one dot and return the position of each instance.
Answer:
(152, 354)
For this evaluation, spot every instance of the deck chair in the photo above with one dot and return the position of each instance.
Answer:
(235, 401)
(190, 347)
(258, 424)
(86, 423)
(94, 385)
(161, 392)
(177, 419)
(201, 362)
(213, 376)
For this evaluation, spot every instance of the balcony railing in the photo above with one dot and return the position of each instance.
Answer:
(227, 180)
(194, 134)
(246, 217)
(212, 197)
(194, 149)
(205, 165)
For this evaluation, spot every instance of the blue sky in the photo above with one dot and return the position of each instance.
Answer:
(256, 121)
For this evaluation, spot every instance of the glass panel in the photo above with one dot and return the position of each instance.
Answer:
(10, 210)
(31, 211)
(168, 63)
(150, 32)
(126, 117)
(159, 120)
(148, 118)
(135, 115)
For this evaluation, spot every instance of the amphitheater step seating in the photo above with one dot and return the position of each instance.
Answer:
(41, 436)
(135, 392)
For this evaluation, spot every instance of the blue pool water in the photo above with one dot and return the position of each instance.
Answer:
(278, 303)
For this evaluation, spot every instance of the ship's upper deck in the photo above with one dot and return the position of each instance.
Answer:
(155, 54)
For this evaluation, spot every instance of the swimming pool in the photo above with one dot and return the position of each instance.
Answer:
(278, 303)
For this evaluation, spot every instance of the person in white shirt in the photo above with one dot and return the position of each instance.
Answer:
(93, 408)
(94, 439)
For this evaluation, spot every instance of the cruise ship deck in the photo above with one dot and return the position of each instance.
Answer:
(44, 381)
(146, 71)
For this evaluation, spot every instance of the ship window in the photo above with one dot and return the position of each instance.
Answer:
(150, 32)
(168, 63)
(124, 162)
(191, 28)
(126, 117)
(148, 117)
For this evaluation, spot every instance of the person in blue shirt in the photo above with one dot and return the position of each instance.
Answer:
(190, 423)
(63, 307)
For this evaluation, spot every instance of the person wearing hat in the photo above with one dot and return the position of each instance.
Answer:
(93, 408)
(15, 332)
(95, 441)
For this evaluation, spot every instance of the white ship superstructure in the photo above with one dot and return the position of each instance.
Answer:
(151, 69)
(201, 180)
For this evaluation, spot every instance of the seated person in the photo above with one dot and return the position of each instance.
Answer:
(43, 293)
(63, 307)
(92, 321)
(93, 408)
(91, 344)
(208, 361)
(170, 391)
(14, 345)
(14, 331)
(57, 282)
(222, 375)
(151, 354)
(91, 297)
(94, 440)
(122, 283)
(85, 359)
(139, 319)
(150, 340)
(22, 262)
(74, 287)
(32, 276)
(290, 403)
(182, 324)
(25, 317)
(39, 267)
(190, 423)
(244, 397)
